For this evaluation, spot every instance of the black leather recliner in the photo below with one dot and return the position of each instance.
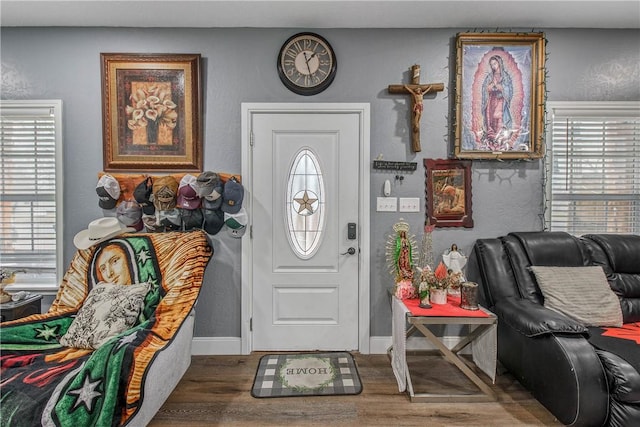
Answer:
(547, 351)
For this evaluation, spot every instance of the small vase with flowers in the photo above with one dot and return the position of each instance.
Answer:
(436, 282)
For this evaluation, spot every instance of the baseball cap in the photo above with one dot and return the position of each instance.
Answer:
(232, 196)
(213, 218)
(108, 190)
(142, 194)
(206, 183)
(237, 222)
(165, 189)
(170, 220)
(191, 218)
(151, 224)
(187, 196)
(213, 200)
(130, 214)
(215, 196)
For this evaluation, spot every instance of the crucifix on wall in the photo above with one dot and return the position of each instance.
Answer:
(417, 92)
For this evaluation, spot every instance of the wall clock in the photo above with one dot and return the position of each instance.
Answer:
(306, 64)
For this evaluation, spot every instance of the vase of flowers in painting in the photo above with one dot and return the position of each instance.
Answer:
(152, 131)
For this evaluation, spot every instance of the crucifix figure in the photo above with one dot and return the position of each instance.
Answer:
(417, 92)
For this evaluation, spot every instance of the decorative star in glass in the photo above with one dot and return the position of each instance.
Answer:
(305, 203)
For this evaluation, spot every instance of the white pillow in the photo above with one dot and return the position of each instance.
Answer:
(582, 293)
(108, 310)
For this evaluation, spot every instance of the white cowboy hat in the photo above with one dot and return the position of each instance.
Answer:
(100, 230)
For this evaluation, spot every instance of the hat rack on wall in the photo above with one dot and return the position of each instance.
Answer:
(129, 181)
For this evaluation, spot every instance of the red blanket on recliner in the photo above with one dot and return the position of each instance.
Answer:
(623, 341)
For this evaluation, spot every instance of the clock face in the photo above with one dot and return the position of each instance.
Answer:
(306, 64)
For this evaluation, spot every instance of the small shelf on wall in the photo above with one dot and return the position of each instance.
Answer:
(394, 166)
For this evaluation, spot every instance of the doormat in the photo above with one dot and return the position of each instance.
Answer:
(306, 374)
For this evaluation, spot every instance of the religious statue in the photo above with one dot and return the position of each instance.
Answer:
(401, 249)
(454, 260)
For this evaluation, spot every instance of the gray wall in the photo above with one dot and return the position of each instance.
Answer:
(239, 66)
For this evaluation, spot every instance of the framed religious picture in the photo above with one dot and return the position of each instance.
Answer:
(448, 197)
(151, 112)
(500, 93)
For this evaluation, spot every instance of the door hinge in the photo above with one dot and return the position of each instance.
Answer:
(251, 325)
(251, 138)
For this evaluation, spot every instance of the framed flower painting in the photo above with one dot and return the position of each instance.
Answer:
(500, 92)
(151, 112)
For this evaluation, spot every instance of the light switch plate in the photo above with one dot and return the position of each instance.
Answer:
(409, 204)
(387, 204)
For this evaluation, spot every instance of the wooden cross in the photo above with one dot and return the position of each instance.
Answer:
(417, 92)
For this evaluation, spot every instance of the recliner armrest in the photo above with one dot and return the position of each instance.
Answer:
(532, 319)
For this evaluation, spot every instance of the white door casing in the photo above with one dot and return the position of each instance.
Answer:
(320, 300)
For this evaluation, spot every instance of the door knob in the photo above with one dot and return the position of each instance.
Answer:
(350, 251)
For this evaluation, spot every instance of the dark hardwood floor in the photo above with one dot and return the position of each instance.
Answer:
(215, 391)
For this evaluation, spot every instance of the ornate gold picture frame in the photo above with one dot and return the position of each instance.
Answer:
(500, 93)
(151, 112)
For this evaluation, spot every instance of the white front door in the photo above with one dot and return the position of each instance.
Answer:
(306, 226)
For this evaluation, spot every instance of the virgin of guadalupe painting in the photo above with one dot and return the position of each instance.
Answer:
(500, 79)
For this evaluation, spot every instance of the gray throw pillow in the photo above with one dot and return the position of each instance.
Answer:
(108, 310)
(582, 293)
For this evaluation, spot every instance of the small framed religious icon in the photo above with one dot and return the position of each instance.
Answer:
(499, 95)
(448, 192)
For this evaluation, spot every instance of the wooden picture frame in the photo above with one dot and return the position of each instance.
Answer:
(151, 112)
(500, 94)
(448, 192)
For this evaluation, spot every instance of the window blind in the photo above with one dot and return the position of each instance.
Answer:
(30, 211)
(593, 168)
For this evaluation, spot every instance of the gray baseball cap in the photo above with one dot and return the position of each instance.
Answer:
(108, 190)
(130, 214)
(206, 183)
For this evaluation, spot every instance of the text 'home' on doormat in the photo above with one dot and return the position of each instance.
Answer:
(306, 374)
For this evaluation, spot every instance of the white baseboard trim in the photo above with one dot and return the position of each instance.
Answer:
(379, 345)
(210, 346)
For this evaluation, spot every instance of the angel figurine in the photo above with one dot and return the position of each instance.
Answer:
(454, 260)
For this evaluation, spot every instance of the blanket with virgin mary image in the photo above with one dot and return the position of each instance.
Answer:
(46, 383)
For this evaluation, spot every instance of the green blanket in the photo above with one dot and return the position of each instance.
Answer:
(44, 383)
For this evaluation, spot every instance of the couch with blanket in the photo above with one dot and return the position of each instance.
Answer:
(568, 320)
(67, 368)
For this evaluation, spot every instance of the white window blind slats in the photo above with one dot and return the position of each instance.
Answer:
(593, 183)
(28, 193)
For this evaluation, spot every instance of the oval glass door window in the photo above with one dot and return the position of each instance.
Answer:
(305, 199)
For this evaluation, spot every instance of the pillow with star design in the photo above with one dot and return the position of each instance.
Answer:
(108, 310)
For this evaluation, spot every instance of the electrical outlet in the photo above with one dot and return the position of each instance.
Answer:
(409, 204)
(387, 204)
